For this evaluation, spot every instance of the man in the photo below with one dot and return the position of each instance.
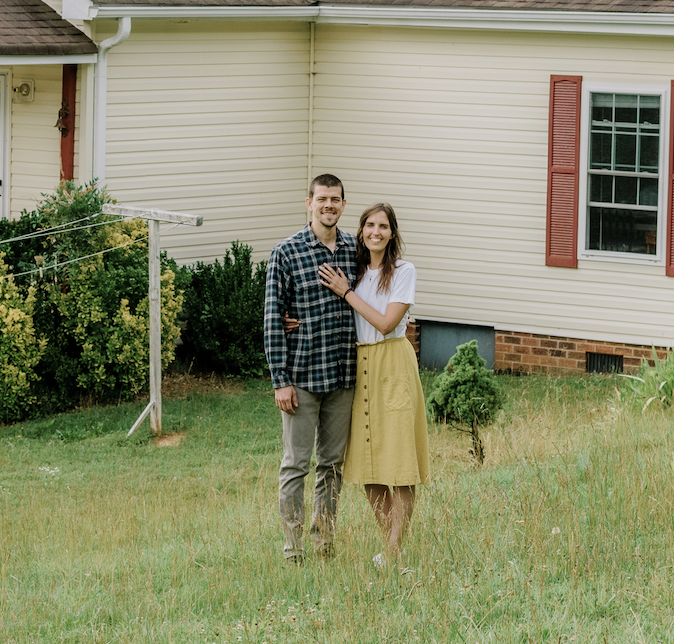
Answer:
(313, 367)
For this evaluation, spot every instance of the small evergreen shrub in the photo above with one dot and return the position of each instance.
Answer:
(466, 393)
(223, 314)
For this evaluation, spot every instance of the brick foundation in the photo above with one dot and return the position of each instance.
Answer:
(414, 336)
(528, 352)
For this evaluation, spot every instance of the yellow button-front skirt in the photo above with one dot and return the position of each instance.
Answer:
(388, 442)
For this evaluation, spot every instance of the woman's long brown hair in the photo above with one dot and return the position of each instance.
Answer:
(392, 253)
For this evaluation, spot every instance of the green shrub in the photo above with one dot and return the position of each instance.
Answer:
(93, 312)
(20, 255)
(465, 391)
(112, 333)
(653, 384)
(223, 313)
(20, 348)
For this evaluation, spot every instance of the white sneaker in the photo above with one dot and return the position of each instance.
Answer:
(378, 560)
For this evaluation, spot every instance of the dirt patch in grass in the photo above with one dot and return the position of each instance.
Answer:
(170, 440)
(179, 386)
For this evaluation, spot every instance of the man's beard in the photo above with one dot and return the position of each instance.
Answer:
(329, 225)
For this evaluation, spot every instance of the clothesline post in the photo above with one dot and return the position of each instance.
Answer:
(155, 327)
(154, 217)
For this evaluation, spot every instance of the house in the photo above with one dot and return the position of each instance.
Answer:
(525, 144)
(39, 55)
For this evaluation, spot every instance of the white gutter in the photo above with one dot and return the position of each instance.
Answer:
(596, 22)
(247, 13)
(589, 22)
(101, 96)
(75, 59)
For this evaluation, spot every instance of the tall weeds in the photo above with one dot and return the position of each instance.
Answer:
(563, 535)
(654, 383)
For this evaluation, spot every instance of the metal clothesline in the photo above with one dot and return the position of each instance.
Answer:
(154, 217)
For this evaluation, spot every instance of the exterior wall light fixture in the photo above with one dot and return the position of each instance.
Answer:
(24, 92)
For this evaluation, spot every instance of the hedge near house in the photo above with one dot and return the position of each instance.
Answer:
(224, 313)
(90, 317)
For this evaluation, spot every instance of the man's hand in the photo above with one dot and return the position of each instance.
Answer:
(286, 399)
(289, 324)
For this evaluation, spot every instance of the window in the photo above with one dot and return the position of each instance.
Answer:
(622, 193)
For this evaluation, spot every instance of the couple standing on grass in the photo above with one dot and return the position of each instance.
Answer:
(327, 289)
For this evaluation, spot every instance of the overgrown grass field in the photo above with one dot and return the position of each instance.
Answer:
(565, 534)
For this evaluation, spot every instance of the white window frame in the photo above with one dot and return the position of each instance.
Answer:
(612, 256)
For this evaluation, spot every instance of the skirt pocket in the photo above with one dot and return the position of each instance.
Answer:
(397, 392)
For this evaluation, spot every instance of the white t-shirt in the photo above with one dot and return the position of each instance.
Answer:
(402, 289)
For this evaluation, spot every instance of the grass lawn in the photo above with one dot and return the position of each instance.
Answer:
(564, 535)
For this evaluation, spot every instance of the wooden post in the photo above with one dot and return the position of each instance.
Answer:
(154, 218)
(67, 122)
(155, 328)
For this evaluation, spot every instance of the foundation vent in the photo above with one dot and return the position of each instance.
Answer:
(603, 363)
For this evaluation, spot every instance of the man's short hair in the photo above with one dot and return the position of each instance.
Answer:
(327, 180)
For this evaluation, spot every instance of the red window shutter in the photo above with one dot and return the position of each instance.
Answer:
(563, 162)
(669, 269)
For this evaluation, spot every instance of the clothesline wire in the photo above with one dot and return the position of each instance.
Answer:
(72, 261)
(55, 229)
(79, 259)
(44, 233)
(48, 231)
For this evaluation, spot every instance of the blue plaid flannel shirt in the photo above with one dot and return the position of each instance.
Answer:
(320, 355)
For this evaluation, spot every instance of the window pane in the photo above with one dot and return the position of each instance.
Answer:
(622, 230)
(626, 108)
(625, 152)
(600, 153)
(624, 141)
(649, 110)
(626, 190)
(601, 188)
(648, 192)
(602, 107)
(648, 158)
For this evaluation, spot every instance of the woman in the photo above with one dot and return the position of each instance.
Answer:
(387, 450)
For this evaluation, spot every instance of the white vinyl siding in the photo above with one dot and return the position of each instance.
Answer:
(211, 118)
(451, 127)
(35, 153)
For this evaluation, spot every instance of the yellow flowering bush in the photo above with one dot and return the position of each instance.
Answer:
(20, 348)
(115, 349)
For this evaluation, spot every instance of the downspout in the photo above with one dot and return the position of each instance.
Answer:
(312, 73)
(101, 96)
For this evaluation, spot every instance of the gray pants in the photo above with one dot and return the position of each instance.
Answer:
(323, 420)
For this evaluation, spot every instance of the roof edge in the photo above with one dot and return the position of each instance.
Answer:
(586, 22)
